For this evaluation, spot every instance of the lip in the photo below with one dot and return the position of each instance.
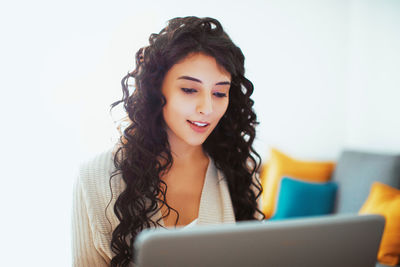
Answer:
(198, 129)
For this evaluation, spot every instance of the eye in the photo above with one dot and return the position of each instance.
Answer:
(189, 90)
(220, 95)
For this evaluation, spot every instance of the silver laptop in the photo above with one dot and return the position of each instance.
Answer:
(334, 240)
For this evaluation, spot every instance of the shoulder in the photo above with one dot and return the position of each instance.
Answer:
(97, 165)
(95, 172)
(94, 180)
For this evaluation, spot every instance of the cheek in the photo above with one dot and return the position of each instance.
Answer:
(177, 107)
(221, 108)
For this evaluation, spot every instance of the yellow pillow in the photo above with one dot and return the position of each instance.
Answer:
(385, 200)
(281, 165)
(264, 169)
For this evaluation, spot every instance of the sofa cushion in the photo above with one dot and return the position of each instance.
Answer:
(299, 198)
(280, 165)
(385, 200)
(356, 171)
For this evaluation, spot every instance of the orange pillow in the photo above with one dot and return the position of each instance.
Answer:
(385, 200)
(280, 165)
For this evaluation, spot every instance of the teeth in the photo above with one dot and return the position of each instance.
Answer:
(199, 124)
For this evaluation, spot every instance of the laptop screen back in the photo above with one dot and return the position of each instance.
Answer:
(335, 240)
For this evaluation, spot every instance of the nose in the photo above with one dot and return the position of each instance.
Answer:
(204, 105)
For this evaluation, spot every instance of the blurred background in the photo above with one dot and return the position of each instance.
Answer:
(326, 76)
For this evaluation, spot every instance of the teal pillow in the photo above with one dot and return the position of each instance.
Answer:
(298, 198)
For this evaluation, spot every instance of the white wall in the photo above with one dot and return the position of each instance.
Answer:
(373, 88)
(297, 62)
(325, 76)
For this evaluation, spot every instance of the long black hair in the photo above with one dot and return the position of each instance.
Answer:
(144, 153)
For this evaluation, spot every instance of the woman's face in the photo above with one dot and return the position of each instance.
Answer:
(197, 95)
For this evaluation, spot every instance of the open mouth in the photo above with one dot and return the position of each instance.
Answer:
(199, 124)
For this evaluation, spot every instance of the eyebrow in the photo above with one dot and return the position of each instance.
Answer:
(199, 81)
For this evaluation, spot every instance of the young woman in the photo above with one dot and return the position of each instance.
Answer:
(186, 157)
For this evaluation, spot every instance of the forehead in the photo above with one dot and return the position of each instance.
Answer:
(200, 66)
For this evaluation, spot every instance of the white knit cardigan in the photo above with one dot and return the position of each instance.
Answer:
(93, 220)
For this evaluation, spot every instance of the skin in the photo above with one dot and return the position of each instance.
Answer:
(204, 100)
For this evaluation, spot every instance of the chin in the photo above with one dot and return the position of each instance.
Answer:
(197, 141)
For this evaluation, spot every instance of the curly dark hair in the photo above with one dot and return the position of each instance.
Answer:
(144, 153)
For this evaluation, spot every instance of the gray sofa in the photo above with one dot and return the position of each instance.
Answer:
(356, 171)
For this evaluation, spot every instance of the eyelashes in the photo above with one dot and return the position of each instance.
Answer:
(192, 91)
(217, 94)
(189, 90)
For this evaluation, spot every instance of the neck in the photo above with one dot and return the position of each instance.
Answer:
(183, 153)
